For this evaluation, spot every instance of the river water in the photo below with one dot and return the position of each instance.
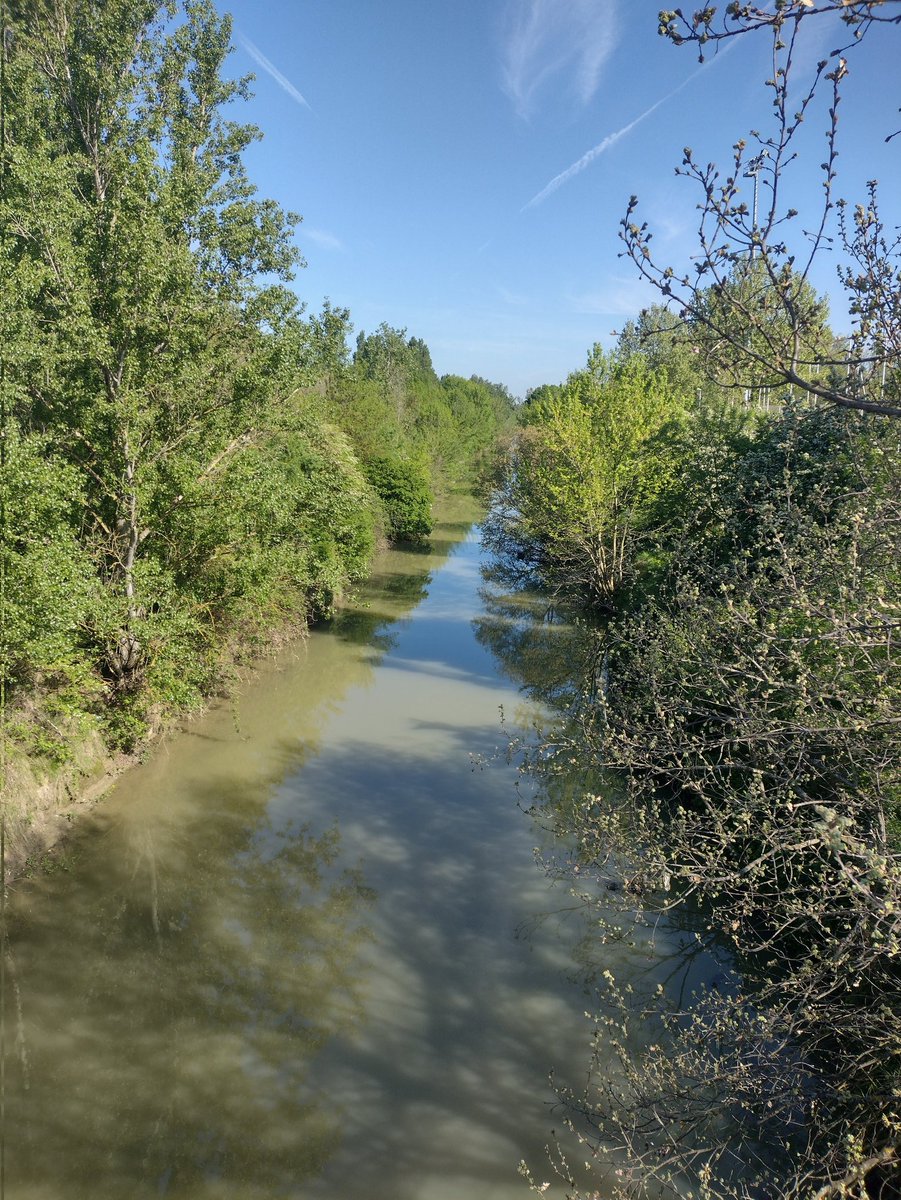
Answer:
(305, 950)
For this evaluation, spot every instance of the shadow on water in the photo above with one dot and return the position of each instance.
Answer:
(235, 1001)
(447, 1078)
(166, 1038)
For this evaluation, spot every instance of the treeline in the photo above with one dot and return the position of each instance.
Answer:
(189, 460)
(739, 567)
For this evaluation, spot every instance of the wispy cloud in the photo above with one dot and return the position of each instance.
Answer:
(612, 138)
(816, 41)
(262, 61)
(667, 227)
(545, 38)
(322, 238)
(622, 296)
(514, 299)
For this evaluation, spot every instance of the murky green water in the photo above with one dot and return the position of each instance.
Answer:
(306, 951)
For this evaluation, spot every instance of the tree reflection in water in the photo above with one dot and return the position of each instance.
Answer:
(223, 981)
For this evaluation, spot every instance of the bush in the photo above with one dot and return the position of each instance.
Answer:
(403, 488)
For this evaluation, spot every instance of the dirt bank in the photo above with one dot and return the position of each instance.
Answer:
(42, 802)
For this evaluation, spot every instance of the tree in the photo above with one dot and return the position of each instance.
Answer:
(668, 347)
(771, 330)
(479, 414)
(748, 703)
(329, 355)
(586, 468)
(47, 575)
(387, 356)
(132, 212)
(747, 294)
(403, 488)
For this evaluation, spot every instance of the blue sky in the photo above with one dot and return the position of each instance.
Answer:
(462, 168)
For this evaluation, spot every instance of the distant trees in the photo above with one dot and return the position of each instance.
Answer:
(411, 428)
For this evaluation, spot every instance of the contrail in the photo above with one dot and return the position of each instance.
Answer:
(612, 138)
(260, 58)
(595, 152)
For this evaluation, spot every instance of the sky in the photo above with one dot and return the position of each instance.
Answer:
(462, 168)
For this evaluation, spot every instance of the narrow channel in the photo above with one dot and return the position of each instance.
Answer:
(305, 950)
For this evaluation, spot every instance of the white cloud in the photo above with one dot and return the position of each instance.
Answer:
(590, 155)
(668, 226)
(514, 299)
(271, 70)
(545, 38)
(322, 238)
(816, 40)
(622, 296)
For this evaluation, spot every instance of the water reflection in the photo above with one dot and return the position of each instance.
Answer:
(535, 645)
(165, 1038)
(282, 960)
(305, 951)
(383, 600)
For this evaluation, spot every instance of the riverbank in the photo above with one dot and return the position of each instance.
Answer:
(58, 765)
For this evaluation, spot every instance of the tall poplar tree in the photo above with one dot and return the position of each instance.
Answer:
(141, 240)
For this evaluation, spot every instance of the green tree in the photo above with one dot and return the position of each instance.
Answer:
(480, 414)
(753, 711)
(387, 356)
(586, 470)
(135, 212)
(48, 577)
(403, 488)
(747, 704)
(328, 355)
(669, 346)
(753, 334)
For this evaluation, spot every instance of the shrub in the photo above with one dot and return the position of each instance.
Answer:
(403, 488)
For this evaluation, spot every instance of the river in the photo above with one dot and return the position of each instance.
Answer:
(305, 949)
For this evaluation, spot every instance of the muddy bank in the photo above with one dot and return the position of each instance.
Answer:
(41, 803)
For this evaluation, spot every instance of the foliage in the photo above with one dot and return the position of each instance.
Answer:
(148, 242)
(749, 705)
(481, 413)
(671, 348)
(754, 711)
(404, 491)
(182, 447)
(586, 470)
(747, 699)
(47, 575)
(289, 517)
(391, 403)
